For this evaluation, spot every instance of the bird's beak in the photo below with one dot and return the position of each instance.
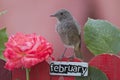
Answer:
(53, 15)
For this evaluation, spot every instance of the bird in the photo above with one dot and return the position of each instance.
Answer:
(68, 30)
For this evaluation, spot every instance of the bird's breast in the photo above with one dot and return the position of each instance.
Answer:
(62, 30)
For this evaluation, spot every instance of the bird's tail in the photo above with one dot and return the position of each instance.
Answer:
(77, 51)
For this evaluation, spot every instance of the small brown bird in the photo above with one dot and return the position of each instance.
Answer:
(68, 30)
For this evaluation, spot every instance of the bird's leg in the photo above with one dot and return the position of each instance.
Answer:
(72, 56)
(63, 54)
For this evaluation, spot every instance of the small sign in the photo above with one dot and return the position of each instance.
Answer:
(69, 68)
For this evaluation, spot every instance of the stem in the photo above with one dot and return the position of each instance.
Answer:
(27, 74)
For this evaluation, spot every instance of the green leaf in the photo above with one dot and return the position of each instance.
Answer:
(3, 39)
(94, 74)
(101, 37)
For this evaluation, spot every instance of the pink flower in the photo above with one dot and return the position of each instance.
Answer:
(26, 50)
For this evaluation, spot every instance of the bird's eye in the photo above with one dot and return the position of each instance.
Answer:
(61, 13)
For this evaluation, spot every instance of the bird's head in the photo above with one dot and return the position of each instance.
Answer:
(62, 15)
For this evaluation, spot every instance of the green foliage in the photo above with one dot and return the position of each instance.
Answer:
(3, 39)
(94, 74)
(101, 37)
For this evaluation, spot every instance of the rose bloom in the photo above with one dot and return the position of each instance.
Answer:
(26, 50)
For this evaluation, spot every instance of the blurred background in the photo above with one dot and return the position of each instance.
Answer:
(33, 16)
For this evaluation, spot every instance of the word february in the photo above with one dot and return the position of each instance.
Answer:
(69, 68)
